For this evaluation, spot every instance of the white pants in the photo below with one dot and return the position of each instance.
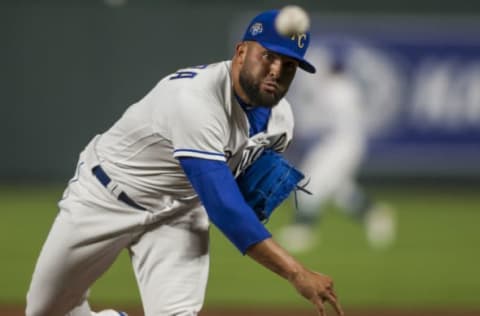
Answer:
(169, 256)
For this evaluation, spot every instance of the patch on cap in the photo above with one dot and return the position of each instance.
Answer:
(256, 29)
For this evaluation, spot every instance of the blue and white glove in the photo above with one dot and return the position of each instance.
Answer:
(267, 182)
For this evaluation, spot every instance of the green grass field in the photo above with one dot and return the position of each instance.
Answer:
(434, 263)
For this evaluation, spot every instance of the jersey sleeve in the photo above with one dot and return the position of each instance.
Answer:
(224, 203)
(199, 128)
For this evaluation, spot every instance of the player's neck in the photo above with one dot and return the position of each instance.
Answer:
(242, 103)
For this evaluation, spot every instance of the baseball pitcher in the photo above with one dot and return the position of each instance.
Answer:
(169, 166)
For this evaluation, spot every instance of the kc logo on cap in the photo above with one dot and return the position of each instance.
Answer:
(301, 38)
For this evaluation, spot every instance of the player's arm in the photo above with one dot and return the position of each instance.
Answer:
(227, 209)
(314, 286)
(216, 187)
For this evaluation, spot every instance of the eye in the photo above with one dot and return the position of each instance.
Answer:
(290, 65)
(268, 56)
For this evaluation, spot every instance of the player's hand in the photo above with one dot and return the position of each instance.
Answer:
(318, 289)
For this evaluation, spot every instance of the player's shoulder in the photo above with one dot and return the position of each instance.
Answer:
(283, 105)
(283, 110)
(196, 91)
(201, 76)
(281, 117)
(205, 82)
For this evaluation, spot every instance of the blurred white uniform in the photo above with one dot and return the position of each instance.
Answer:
(335, 156)
(332, 132)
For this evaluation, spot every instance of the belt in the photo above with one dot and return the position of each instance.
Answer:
(105, 180)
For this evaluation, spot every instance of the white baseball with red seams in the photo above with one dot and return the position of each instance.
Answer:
(292, 20)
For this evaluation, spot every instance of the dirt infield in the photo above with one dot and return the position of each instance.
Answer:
(303, 312)
(19, 311)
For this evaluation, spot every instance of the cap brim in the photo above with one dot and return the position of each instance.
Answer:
(304, 64)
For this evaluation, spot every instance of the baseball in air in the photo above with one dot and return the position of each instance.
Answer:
(292, 20)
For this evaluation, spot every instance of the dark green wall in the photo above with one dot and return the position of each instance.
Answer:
(69, 70)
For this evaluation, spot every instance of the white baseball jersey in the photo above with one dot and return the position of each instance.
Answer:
(192, 113)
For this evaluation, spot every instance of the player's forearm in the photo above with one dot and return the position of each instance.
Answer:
(269, 254)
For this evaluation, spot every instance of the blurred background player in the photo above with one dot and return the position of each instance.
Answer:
(332, 135)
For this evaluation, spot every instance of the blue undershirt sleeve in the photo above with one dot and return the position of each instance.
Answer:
(215, 185)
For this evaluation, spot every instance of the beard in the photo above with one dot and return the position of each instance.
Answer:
(255, 95)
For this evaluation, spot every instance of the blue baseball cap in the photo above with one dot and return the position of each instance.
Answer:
(262, 30)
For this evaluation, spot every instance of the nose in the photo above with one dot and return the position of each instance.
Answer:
(276, 68)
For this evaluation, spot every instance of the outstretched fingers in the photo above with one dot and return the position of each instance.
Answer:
(319, 306)
(332, 299)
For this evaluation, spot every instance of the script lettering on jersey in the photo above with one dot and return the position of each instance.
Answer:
(257, 145)
(187, 73)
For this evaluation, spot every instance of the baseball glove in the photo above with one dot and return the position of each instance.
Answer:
(267, 182)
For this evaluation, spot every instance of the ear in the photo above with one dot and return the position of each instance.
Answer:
(241, 50)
